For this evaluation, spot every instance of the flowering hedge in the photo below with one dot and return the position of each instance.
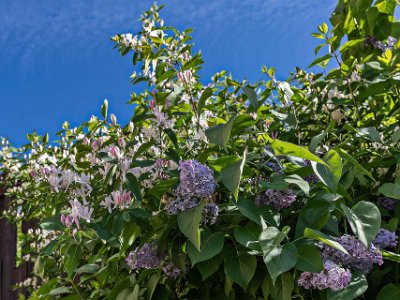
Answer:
(226, 190)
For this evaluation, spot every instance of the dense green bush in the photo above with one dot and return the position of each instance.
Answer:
(226, 190)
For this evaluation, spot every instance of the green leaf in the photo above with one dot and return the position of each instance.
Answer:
(391, 190)
(72, 258)
(248, 235)
(315, 234)
(386, 6)
(219, 134)
(89, 268)
(323, 28)
(356, 288)
(189, 221)
(364, 219)
(330, 172)
(315, 214)
(285, 148)
(38, 268)
(251, 94)
(60, 290)
(51, 224)
(231, 174)
(269, 239)
(239, 266)
(350, 159)
(389, 292)
(309, 259)
(203, 98)
(319, 60)
(369, 133)
(346, 46)
(283, 288)
(391, 256)
(280, 260)
(250, 210)
(299, 181)
(152, 285)
(209, 267)
(211, 245)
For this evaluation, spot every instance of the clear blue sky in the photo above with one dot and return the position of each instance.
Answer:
(57, 62)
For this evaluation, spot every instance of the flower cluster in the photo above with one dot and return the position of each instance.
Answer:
(145, 257)
(385, 239)
(177, 206)
(359, 257)
(372, 41)
(387, 203)
(276, 198)
(78, 211)
(332, 276)
(210, 213)
(120, 199)
(171, 271)
(196, 180)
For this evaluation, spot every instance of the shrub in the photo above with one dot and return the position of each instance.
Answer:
(226, 190)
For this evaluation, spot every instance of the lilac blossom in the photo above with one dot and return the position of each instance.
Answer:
(171, 271)
(177, 206)
(332, 276)
(145, 257)
(210, 214)
(385, 239)
(387, 203)
(276, 198)
(359, 257)
(196, 180)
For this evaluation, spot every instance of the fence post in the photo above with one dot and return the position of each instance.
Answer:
(8, 244)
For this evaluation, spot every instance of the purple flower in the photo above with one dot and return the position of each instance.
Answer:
(385, 239)
(210, 214)
(177, 206)
(196, 180)
(273, 166)
(275, 198)
(359, 258)
(171, 271)
(332, 276)
(387, 203)
(145, 257)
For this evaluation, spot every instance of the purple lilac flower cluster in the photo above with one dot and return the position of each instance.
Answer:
(391, 41)
(273, 166)
(196, 180)
(312, 178)
(145, 257)
(332, 276)
(210, 214)
(177, 206)
(385, 239)
(387, 203)
(276, 198)
(171, 271)
(359, 258)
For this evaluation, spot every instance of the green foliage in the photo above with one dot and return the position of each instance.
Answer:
(327, 140)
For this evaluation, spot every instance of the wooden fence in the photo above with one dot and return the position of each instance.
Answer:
(9, 273)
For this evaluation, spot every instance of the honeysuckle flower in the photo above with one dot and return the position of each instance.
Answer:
(113, 119)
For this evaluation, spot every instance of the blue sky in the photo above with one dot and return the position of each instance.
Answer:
(57, 61)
